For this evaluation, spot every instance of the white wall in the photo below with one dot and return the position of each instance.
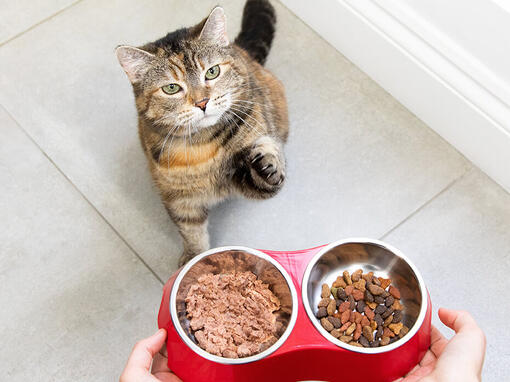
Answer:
(448, 61)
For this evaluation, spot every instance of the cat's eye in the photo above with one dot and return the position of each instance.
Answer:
(171, 89)
(212, 73)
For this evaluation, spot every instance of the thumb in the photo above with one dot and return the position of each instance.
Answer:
(144, 351)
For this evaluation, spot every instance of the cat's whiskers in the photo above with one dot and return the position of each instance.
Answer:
(248, 115)
(259, 133)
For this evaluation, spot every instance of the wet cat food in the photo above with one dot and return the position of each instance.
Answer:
(233, 315)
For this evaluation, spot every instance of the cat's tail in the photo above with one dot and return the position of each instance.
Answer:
(257, 29)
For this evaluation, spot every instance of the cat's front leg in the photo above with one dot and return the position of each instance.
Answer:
(260, 171)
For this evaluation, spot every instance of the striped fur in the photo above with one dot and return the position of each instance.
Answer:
(235, 147)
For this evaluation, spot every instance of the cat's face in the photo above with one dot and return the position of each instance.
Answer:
(191, 88)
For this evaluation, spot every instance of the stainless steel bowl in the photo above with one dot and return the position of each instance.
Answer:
(369, 255)
(240, 259)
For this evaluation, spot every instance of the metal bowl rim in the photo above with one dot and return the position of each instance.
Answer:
(363, 240)
(223, 360)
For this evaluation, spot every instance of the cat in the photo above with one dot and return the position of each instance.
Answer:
(211, 119)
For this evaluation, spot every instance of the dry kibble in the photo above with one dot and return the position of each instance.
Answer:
(368, 333)
(357, 332)
(347, 278)
(368, 314)
(336, 333)
(354, 343)
(395, 328)
(322, 312)
(324, 302)
(345, 316)
(335, 321)
(326, 324)
(394, 292)
(339, 282)
(357, 294)
(350, 329)
(325, 291)
(356, 275)
(374, 289)
(384, 282)
(331, 307)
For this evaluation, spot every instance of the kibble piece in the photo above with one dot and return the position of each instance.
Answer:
(356, 275)
(376, 281)
(374, 343)
(368, 277)
(379, 320)
(385, 294)
(357, 332)
(397, 305)
(350, 329)
(344, 306)
(347, 278)
(322, 312)
(379, 333)
(326, 324)
(354, 343)
(325, 291)
(352, 302)
(379, 299)
(369, 313)
(357, 317)
(363, 341)
(336, 333)
(388, 312)
(389, 301)
(374, 289)
(380, 309)
(344, 327)
(388, 320)
(346, 339)
(397, 316)
(394, 292)
(393, 339)
(360, 306)
(369, 297)
(340, 293)
(324, 302)
(365, 321)
(388, 333)
(348, 290)
(357, 294)
(372, 305)
(385, 341)
(403, 331)
(345, 316)
(395, 328)
(339, 282)
(333, 292)
(368, 333)
(384, 282)
(335, 321)
(331, 307)
(373, 325)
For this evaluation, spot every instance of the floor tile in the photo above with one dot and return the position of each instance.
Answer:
(461, 244)
(74, 298)
(358, 161)
(19, 15)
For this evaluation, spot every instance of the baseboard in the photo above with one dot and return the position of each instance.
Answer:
(439, 91)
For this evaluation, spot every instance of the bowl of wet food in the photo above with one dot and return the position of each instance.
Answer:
(353, 309)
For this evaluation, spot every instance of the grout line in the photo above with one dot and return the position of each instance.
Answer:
(85, 198)
(38, 23)
(416, 211)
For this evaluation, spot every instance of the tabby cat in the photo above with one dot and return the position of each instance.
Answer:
(212, 120)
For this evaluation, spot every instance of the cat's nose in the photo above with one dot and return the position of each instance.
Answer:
(202, 104)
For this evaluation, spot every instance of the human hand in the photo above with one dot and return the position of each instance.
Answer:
(458, 359)
(147, 351)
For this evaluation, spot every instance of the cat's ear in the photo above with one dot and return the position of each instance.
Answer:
(215, 28)
(134, 61)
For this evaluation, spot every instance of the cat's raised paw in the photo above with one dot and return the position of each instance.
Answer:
(267, 162)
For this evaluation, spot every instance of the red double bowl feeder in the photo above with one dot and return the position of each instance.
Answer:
(304, 350)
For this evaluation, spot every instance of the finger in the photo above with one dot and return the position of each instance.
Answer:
(437, 342)
(144, 351)
(457, 320)
(160, 364)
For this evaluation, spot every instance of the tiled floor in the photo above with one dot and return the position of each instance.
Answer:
(85, 242)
